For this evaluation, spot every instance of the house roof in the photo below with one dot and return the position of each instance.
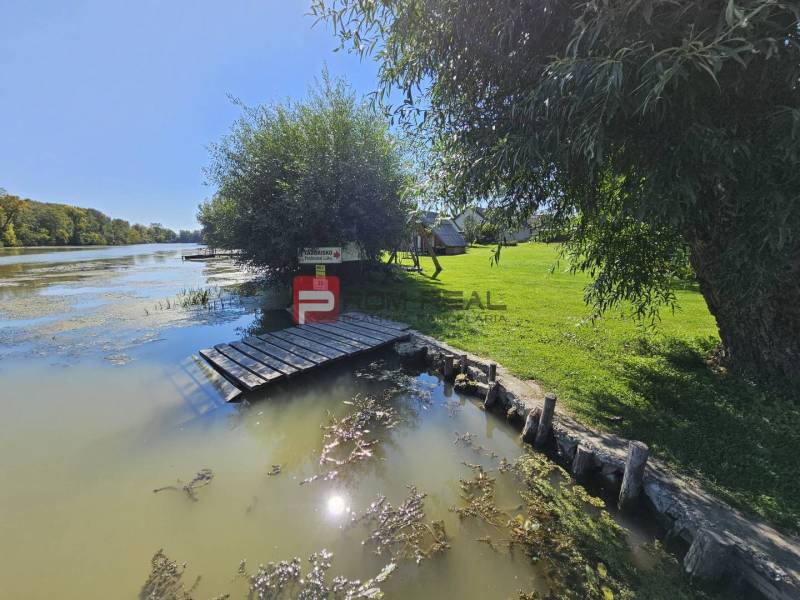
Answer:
(446, 231)
(477, 209)
(449, 234)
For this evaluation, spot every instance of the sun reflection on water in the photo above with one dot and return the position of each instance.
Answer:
(337, 505)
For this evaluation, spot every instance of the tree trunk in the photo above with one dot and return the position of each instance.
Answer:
(760, 332)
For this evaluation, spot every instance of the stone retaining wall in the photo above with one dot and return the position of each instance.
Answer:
(739, 547)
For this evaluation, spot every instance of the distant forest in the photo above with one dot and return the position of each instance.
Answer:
(25, 222)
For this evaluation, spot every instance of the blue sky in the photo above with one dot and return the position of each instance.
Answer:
(111, 104)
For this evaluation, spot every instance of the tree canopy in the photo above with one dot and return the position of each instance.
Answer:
(25, 222)
(654, 130)
(324, 171)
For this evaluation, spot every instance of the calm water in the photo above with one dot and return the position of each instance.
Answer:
(101, 402)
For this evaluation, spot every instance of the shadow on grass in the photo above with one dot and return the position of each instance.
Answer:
(740, 438)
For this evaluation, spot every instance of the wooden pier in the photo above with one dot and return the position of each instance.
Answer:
(256, 361)
(206, 253)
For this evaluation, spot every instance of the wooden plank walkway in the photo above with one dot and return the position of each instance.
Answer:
(255, 361)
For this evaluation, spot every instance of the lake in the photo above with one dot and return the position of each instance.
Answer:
(102, 402)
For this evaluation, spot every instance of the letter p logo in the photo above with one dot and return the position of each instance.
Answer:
(315, 299)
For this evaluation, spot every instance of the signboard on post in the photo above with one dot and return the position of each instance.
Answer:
(320, 256)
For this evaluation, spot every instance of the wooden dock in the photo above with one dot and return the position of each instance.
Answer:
(206, 253)
(256, 361)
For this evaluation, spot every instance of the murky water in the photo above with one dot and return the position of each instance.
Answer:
(101, 403)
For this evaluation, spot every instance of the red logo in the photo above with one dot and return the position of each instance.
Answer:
(315, 299)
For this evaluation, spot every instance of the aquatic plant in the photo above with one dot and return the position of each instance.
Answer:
(478, 496)
(285, 579)
(562, 525)
(403, 532)
(165, 581)
(347, 436)
(202, 479)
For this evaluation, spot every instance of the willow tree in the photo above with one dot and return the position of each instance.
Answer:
(323, 171)
(659, 129)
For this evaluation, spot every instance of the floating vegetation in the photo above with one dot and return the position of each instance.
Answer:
(202, 479)
(478, 495)
(321, 477)
(403, 532)
(285, 579)
(468, 441)
(585, 554)
(401, 381)
(345, 440)
(165, 581)
(453, 407)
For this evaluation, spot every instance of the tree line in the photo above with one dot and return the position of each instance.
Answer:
(25, 222)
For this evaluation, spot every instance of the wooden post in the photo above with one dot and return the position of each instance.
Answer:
(463, 361)
(492, 372)
(448, 366)
(707, 556)
(546, 421)
(582, 461)
(634, 474)
(491, 395)
(531, 423)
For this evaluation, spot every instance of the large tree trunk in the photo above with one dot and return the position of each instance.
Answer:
(759, 336)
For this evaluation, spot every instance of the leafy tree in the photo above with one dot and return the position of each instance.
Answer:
(24, 222)
(321, 172)
(660, 128)
(472, 230)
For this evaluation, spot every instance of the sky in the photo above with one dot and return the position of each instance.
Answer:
(111, 104)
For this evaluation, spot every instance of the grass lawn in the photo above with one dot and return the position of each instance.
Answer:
(740, 439)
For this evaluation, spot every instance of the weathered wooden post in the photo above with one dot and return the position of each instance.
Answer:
(531, 423)
(707, 556)
(448, 366)
(634, 474)
(463, 362)
(582, 461)
(492, 372)
(546, 420)
(491, 395)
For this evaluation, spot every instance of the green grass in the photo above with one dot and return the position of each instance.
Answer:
(739, 438)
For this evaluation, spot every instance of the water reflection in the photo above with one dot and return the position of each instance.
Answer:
(337, 505)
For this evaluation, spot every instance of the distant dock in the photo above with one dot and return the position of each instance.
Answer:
(205, 253)
(255, 361)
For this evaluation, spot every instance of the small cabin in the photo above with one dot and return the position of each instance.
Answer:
(445, 237)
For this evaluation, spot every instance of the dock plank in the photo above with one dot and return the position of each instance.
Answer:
(299, 350)
(378, 328)
(244, 378)
(312, 343)
(224, 388)
(349, 345)
(377, 320)
(369, 341)
(379, 335)
(281, 354)
(262, 357)
(259, 368)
